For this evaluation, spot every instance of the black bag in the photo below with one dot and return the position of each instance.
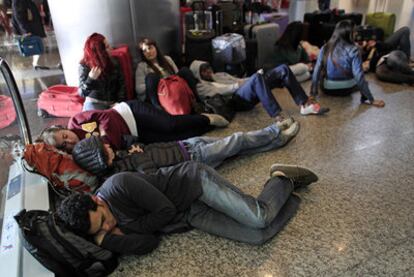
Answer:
(218, 105)
(60, 250)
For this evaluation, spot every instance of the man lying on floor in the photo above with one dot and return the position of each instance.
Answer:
(131, 210)
(98, 158)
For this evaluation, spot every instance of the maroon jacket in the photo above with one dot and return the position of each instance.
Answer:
(92, 123)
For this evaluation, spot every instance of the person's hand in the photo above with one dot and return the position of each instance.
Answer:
(365, 66)
(117, 231)
(95, 72)
(310, 66)
(240, 82)
(378, 103)
(98, 238)
(135, 149)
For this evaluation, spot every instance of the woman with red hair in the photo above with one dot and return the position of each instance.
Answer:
(100, 77)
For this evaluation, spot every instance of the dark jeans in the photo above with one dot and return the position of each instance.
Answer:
(340, 92)
(157, 125)
(225, 211)
(399, 40)
(258, 89)
(152, 80)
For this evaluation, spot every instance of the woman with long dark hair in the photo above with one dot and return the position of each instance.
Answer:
(152, 68)
(100, 77)
(289, 50)
(339, 66)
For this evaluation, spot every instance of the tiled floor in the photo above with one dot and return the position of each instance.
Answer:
(357, 220)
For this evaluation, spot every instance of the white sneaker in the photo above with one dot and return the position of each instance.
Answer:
(216, 120)
(314, 108)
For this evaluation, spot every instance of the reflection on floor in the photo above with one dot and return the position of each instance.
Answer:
(357, 220)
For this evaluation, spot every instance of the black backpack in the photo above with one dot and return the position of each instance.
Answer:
(60, 250)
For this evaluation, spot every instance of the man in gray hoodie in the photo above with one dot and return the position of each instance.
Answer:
(244, 94)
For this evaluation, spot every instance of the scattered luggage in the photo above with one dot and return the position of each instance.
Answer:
(383, 20)
(199, 33)
(280, 18)
(7, 111)
(232, 16)
(60, 250)
(229, 49)
(266, 36)
(30, 45)
(59, 101)
(125, 60)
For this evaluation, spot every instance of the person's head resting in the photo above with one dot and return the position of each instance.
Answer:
(206, 72)
(85, 214)
(292, 36)
(96, 53)
(60, 137)
(93, 155)
(150, 53)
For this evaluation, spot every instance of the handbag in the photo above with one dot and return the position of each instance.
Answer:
(217, 104)
(30, 45)
(175, 96)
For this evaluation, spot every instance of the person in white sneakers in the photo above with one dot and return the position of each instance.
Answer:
(244, 94)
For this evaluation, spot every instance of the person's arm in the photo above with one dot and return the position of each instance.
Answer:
(140, 74)
(159, 209)
(172, 63)
(358, 74)
(86, 83)
(316, 76)
(130, 244)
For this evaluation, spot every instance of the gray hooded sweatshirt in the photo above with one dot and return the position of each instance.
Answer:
(224, 83)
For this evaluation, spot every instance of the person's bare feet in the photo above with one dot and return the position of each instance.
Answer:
(376, 103)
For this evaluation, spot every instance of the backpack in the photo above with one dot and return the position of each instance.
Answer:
(59, 168)
(60, 250)
(175, 96)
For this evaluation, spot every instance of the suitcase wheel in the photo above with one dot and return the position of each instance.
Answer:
(42, 113)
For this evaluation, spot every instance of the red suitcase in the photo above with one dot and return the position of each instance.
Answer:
(7, 112)
(59, 101)
(124, 57)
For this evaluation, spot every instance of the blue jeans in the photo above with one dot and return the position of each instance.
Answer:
(258, 89)
(213, 151)
(225, 211)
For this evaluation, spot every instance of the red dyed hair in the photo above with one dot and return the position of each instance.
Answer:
(95, 54)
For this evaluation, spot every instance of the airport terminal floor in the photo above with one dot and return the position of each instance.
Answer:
(357, 220)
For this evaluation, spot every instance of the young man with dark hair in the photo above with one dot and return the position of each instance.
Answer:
(133, 209)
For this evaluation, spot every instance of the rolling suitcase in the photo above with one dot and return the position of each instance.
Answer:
(7, 111)
(30, 45)
(232, 16)
(125, 60)
(229, 49)
(383, 20)
(266, 36)
(59, 101)
(281, 19)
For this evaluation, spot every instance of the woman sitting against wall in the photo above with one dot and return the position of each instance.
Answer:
(100, 77)
(338, 69)
(152, 68)
(291, 50)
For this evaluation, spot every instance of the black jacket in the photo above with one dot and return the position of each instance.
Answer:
(105, 88)
(145, 204)
(26, 18)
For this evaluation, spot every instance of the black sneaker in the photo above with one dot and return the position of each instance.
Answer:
(300, 176)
